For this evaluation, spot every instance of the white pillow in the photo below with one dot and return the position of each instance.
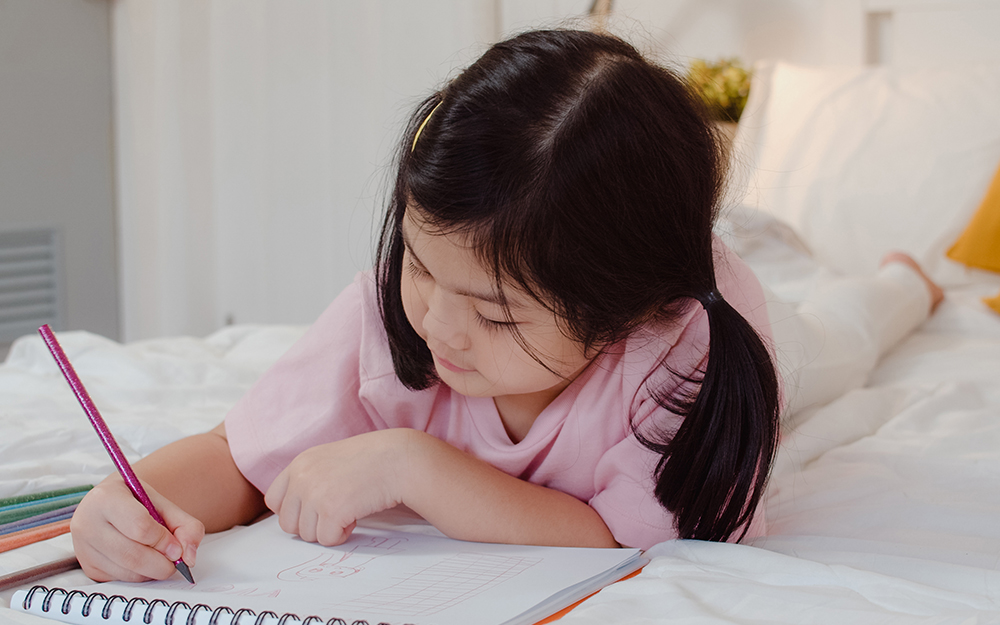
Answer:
(862, 160)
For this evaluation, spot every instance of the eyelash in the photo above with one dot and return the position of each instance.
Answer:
(415, 270)
(489, 324)
(493, 325)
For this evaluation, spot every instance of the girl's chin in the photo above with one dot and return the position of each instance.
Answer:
(461, 383)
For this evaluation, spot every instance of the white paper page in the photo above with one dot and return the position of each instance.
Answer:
(378, 575)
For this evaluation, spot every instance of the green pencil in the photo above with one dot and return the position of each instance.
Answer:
(43, 506)
(9, 501)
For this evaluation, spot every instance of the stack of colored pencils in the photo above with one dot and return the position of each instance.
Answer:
(30, 518)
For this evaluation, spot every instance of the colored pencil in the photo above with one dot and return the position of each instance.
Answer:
(49, 494)
(104, 433)
(37, 502)
(33, 535)
(21, 578)
(41, 519)
(31, 509)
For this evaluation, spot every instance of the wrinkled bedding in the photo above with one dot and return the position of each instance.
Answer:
(149, 392)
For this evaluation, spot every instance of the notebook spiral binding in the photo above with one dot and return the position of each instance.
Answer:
(178, 608)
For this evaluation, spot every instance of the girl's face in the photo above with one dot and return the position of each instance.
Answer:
(451, 302)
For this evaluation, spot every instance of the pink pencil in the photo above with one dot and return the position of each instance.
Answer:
(104, 433)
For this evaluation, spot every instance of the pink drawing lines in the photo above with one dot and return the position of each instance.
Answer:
(444, 584)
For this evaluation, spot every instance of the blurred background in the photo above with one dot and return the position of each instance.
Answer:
(168, 167)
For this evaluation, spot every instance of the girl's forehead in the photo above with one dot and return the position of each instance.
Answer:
(414, 222)
(419, 235)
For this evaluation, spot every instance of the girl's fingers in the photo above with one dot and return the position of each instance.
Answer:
(119, 557)
(147, 547)
(275, 494)
(190, 554)
(288, 515)
(307, 522)
(292, 517)
(331, 534)
(138, 545)
(187, 532)
(138, 526)
(100, 568)
(115, 537)
(303, 519)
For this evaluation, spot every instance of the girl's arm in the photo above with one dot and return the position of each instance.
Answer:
(469, 499)
(194, 485)
(199, 475)
(328, 487)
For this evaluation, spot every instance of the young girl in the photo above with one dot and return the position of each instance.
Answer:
(553, 348)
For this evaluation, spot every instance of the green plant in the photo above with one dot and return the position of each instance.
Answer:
(723, 86)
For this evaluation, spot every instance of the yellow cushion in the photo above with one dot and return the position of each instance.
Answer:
(979, 245)
(993, 302)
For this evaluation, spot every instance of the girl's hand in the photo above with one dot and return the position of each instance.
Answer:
(327, 488)
(115, 538)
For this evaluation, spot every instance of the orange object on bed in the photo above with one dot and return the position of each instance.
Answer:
(979, 245)
(33, 535)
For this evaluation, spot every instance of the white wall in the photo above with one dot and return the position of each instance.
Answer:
(821, 32)
(934, 32)
(518, 15)
(254, 135)
(56, 148)
(804, 31)
(330, 85)
(252, 145)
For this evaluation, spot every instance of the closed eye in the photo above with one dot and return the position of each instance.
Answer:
(493, 324)
(416, 270)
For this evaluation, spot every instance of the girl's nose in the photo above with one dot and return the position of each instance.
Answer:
(446, 321)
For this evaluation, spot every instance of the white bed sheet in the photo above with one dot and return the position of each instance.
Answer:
(883, 506)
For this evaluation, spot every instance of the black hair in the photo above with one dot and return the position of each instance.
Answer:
(590, 178)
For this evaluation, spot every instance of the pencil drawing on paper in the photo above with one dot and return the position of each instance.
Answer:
(343, 563)
(222, 588)
(444, 585)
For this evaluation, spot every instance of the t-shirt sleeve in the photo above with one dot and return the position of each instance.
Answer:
(310, 395)
(625, 487)
(625, 501)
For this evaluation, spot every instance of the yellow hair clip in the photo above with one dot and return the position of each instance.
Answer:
(422, 124)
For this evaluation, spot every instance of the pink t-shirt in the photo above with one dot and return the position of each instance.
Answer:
(338, 381)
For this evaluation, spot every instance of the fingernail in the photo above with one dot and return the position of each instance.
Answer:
(174, 552)
(192, 554)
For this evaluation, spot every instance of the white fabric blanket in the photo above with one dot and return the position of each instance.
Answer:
(149, 392)
(884, 505)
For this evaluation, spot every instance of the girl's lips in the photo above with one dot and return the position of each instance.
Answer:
(450, 366)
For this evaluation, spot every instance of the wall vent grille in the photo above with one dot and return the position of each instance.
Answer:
(29, 282)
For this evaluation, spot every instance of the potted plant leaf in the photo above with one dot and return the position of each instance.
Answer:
(723, 86)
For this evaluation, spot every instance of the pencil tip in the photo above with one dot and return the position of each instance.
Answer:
(185, 571)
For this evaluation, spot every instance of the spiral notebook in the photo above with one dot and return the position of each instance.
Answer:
(261, 575)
